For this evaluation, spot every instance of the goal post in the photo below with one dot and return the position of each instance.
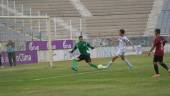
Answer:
(48, 31)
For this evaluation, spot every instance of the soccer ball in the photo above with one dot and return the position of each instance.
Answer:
(100, 66)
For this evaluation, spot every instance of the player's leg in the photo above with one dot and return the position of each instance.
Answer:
(117, 55)
(126, 62)
(120, 53)
(156, 67)
(75, 63)
(165, 66)
(14, 58)
(113, 60)
(110, 63)
(10, 59)
(0, 62)
(87, 58)
(93, 65)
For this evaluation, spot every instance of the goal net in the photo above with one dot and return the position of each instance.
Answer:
(22, 30)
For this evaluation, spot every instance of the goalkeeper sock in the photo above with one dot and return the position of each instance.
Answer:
(93, 65)
(128, 63)
(74, 65)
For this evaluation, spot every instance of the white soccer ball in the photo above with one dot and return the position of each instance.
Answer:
(100, 66)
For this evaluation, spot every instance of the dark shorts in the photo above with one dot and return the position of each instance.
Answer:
(158, 58)
(85, 58)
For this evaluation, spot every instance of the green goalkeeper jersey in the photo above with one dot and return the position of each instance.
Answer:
(83, 47)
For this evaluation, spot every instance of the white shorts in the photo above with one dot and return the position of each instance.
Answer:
(120, 52)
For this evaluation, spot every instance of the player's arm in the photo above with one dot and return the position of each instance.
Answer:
(75, 47)
(153, 47)
(114, 40)
(164, 42)
(90, 46)
(130, 43)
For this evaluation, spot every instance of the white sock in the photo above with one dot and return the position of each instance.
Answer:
(109, 63)
(128, 63)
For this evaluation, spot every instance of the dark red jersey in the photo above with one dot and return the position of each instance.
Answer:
(159, 44)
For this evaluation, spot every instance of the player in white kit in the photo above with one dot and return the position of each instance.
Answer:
(121, 49)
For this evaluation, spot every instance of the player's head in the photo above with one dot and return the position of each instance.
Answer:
(122, 32)
(157, 32)
(80, 38)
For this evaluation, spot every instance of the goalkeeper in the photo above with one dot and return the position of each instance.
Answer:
(83, 48)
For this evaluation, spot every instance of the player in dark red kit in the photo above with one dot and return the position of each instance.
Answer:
(158, 45)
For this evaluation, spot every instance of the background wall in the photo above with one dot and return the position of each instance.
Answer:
(60, 55)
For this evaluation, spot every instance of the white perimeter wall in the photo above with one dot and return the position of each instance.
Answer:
(61, 55)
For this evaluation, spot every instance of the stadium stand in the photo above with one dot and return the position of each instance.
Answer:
(108, 16)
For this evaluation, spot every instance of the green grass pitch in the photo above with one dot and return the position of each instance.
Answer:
(40, 80)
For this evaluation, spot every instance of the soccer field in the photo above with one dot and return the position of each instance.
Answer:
(40, 80)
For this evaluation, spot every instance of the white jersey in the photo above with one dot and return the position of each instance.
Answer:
(121, 48)
(122, 42)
